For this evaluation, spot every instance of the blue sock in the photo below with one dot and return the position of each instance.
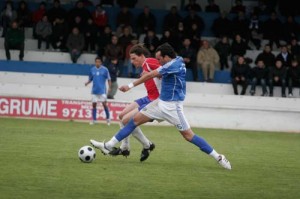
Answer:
(94, 114)
(202, 144)
(126, 130)
(106, 112)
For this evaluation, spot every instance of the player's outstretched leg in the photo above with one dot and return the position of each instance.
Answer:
(206, 148)
(148, 146)
(107, 147)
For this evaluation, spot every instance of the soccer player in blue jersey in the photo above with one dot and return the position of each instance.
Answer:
(99, 74)
(168, 107)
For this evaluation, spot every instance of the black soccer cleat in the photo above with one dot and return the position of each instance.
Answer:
(146, 152)
(119, 151)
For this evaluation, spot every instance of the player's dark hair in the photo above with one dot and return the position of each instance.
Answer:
(98, 58)
(139, 49)
(166, 50)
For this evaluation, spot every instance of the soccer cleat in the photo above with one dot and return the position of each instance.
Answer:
(101, 146)
(290, 94)
(108, 122)
(92, 122)
(119, 151)
(224, 162)
(146, 152)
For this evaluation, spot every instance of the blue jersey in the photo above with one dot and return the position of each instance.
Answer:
(173, 85)
(99, 77)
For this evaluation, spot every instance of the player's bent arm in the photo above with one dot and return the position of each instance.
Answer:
(109, 84)
(87, 83)
(139, 81)
(145, 77)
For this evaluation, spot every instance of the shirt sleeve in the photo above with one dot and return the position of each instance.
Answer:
(169, 68)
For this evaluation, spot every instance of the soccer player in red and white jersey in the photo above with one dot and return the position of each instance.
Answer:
(139, 58)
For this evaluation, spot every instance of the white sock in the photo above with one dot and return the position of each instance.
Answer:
(125, 144)
(215, 155)
(138, 134)
(111, 143)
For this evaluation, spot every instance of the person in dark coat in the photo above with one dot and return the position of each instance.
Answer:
(277, 76)
(223, 48)
(266, 56)
(240, 75)
(293, 77)
(259, 75)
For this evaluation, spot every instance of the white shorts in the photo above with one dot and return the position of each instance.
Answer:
(171, 112)
(99, 98)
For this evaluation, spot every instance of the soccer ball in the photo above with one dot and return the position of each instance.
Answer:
(86, 154)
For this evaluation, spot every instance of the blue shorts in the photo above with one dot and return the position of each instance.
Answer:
(142, 102)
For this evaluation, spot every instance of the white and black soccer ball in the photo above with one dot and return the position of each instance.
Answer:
(86, 154)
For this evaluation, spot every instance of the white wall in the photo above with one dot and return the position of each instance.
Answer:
(207, 105)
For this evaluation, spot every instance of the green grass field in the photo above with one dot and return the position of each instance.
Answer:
(39, 160)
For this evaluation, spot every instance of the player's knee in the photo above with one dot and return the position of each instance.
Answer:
(187, 135)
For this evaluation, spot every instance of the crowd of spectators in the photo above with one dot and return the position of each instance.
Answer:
(80, 29)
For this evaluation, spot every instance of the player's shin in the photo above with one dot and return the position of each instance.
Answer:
(138, 134)
(94, 113)
(123, 133)
(202, 144)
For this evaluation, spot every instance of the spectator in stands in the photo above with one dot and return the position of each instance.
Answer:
(266, 56)
(39, 13)
(212, 7)
(132, 70)
(208, 59)
(291, 29)
(56, 12)
(240, 25)
(168, 37)
(223, 48)
(75, 44)
(272, 30)
(262, 8)
(114, 50)
(295, 49)
(240, 75)
(195, 34)
(14, 39)
(59, 35)
(285, 56)
(222, 25)
(151, 41)
(24, 15)
(100, 17)
(145, 21)
(277, 76)
(193, 5)
(293, 77)
(255, 31)
(126, 37)
(43, 32)
(90, 35)
(103, 40)
(238, 7)
(124, 18)
(127, 3)
(78, 23)
(8, 15)
(188, 53)
(113, 68)
(179, 35)
(259, 75)
(79, 11)
(238, 48)
(191, 19)
(171, 20)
